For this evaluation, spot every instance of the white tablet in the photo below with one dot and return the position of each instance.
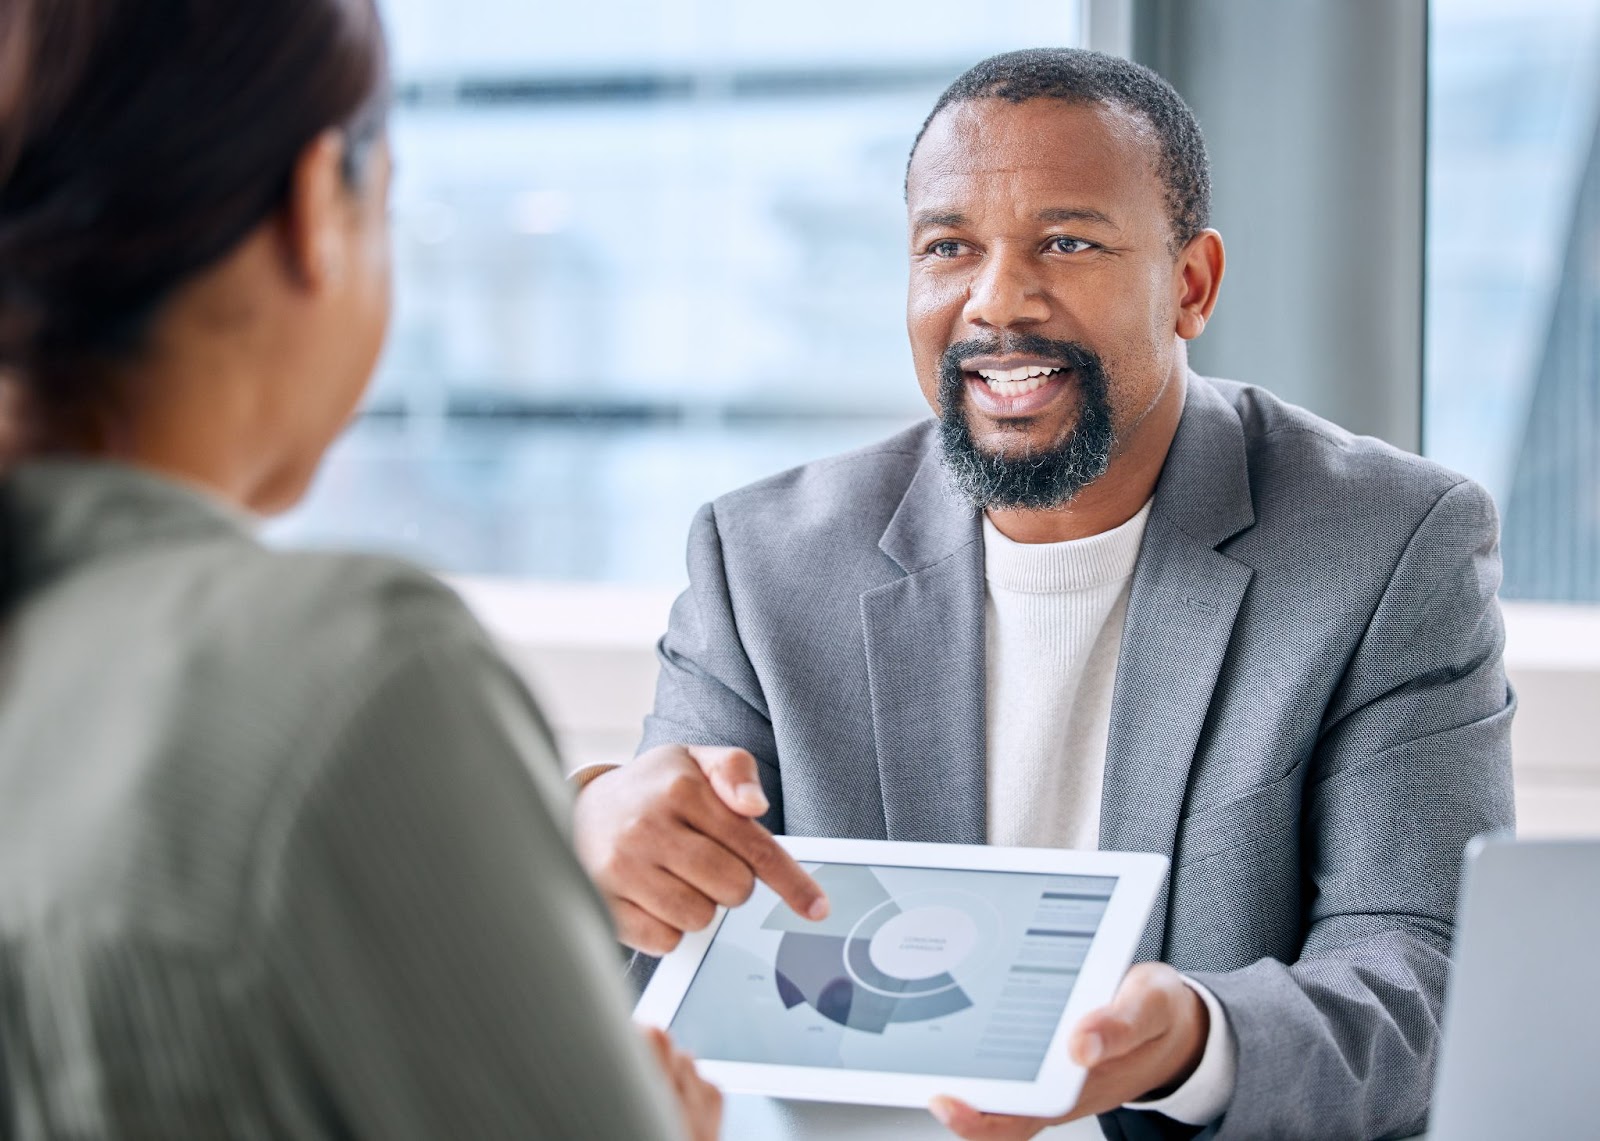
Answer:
(942, 969)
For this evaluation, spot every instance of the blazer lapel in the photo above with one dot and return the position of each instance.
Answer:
(925, 666)
(1181, 610)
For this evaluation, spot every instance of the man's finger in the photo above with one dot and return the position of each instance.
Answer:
(774, 867)
(1134, 1017)
(1104, 1036)
(763, 855)
(964, 1121)
(642, 931)
(734, 776)
(710, 868)
(666, 897)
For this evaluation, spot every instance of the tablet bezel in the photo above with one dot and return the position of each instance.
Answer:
(1052, 1092)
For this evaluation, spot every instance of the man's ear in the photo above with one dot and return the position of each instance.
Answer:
(314, 217)
(1198, 278)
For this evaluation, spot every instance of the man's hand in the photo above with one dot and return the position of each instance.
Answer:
(1148, 1041)
(672, 834)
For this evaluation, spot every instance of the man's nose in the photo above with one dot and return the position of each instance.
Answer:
(1006, 292)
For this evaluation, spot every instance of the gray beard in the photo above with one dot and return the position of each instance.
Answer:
(1033, 481)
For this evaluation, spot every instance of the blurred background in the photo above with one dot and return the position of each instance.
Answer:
(651, 250)
(1511, 383)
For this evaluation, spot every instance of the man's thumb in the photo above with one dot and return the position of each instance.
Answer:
(734, 776)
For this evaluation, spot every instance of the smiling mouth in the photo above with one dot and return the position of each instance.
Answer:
(1017, 381)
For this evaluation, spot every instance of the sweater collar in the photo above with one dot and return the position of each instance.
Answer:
(1075, 564)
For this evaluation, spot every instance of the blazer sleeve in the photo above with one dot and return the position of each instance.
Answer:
(444, 963)
(707, 691)
(1413, 760)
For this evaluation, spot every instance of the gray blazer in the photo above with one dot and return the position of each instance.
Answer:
(1310, 718)
(284, 849)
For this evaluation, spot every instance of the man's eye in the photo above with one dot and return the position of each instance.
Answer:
(945, 249)
(1069, 245)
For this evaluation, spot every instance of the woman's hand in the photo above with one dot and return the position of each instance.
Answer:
(698, 1100)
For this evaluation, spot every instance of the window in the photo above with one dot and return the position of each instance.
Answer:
(1512, 376)
(646, 251)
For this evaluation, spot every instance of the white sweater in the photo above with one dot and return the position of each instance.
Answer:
(1054, 621)
(1055, 614)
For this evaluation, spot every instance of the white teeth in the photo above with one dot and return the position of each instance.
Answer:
(1016, 381)
(1016, 387)
(1026, 372)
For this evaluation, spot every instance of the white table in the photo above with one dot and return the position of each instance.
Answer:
(747, 1118)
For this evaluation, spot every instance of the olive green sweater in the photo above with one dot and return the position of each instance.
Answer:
(284, 847)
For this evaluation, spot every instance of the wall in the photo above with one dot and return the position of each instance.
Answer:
(1314, 114)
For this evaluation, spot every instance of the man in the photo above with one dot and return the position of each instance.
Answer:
(1101, 600)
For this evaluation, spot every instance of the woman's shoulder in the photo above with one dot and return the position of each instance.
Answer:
(284, 650)
(202, 689)
(389, 590)
(323, 609)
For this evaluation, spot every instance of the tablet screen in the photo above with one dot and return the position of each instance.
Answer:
(916, 970)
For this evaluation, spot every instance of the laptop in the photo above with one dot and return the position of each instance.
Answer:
(1521, 1050)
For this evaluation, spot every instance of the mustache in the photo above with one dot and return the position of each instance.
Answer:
(1070, 354)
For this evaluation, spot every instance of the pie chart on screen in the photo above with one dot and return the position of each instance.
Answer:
(880, 959)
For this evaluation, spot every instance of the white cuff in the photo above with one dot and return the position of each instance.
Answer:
(1205, 1096)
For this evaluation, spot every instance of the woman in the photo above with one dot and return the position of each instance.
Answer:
(283, 844)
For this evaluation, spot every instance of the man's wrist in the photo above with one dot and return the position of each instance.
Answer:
(585, 775)
(1204, 1095)
(1197, 1028)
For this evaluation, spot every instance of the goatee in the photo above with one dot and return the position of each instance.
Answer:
(1030, 480)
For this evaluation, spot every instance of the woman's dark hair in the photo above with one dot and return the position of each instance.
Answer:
(140, 141)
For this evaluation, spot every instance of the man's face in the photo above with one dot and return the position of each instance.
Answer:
(1043, 291)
